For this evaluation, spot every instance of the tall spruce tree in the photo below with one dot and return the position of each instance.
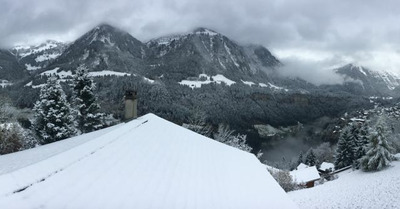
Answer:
(53, 118)
(361, 142)
(378, 151)
(345, 150)
(311, 159)
(87, 108)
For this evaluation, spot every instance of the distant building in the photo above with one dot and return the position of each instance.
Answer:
(301, 166)
(326, 167)
(306, 176)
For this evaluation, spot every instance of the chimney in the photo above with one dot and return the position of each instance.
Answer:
(130, 105)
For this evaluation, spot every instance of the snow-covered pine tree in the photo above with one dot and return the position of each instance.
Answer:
(361, 142)
(378, 151)
(87, 108)
(311, 159)
(53, 118)
(345, 150)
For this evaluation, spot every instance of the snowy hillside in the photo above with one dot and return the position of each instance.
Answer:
(38, 56)
(146, 163)
(373, 82)
(356, 189)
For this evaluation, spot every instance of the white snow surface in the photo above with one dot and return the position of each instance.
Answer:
(4, 83)
(108, 73)
(18, 160)
(305, 175)
(207, 32)
(30, 67)
(215, 79)
(326, 166)
(45, 57)
(148, 80)
(302, 166)
(62, 74)
(146, 163)
(250, 83)
(354, 189)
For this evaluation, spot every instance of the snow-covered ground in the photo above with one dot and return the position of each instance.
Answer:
(61, 74)
(250, 83)
(4, 83)
(354, 189)
(45, 57)
(64, 74)
(30, 67)
(146, 163)
(108, 73)
(218, 79)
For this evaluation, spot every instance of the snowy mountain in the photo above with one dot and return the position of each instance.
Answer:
(205, 51)
(38, 56)
(366, 80)
(104, 48)
(356, 189)
(146, 163)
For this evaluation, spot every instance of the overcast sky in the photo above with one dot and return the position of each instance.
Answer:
(329, 33)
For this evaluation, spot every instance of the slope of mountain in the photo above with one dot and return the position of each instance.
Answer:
(104, 48)
(146, 163)
(354, 190)
(39, 56)
(362, 79)
(10, 69)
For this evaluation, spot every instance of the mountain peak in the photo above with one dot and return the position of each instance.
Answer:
(104, 27)
(104, 33)
(206, 31)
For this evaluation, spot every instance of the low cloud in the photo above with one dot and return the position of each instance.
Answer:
(315, 72)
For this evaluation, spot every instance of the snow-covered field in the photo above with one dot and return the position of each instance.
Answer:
(146, 163)
(218, 79)
(356, 189)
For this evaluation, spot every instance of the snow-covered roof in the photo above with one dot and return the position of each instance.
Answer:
(301, 166)
(146, 163)
(305, 175)
(326, 166)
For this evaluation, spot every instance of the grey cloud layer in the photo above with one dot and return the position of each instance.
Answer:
(342, 28)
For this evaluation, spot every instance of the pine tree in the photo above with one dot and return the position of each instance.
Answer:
(88, 116)
(345, 150)
(311, 159)
(378, 151)
(361, 142)
(300, 159)
(53, 118)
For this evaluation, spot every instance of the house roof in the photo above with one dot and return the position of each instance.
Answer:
(305, 175)
(326, 166)
(301, 166)
(146, 163)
